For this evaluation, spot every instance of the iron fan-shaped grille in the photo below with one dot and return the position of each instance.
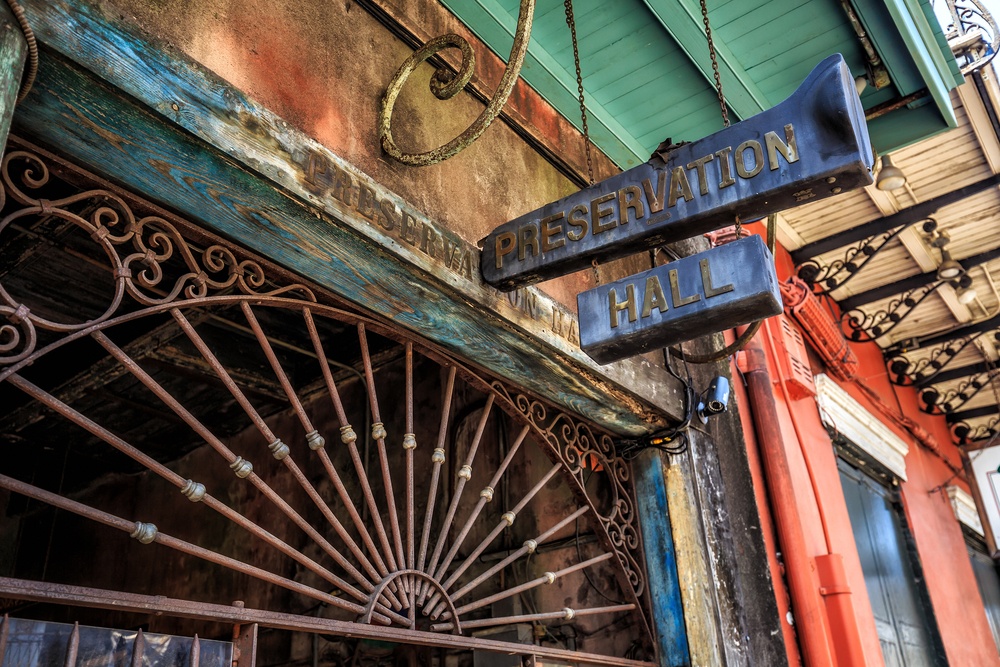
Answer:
(293, 444)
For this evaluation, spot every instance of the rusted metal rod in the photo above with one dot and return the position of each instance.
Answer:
(238, 464)
(349, 437)
(485, 496)
(147, 533)
(279, 449)
(547, 578)
(79, 596)
(566, 613)
(194, 658)
(438, 460)
(506, 521)
(378, 433)
(316, 443)
(409, 445)
(138, 648)
(73, 647)
(464, 475)
(528, 547)
(179, 482)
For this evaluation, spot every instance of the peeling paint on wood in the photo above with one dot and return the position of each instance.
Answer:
(91, 124)
(13, 53)
(438, 265)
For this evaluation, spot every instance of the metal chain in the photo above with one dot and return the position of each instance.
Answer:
(715, 64)
(571, 22)
(718, 85)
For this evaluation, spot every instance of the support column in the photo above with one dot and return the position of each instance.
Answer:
(661, 563)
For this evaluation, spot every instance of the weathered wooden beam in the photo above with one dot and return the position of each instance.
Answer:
(13, 53)
(661, 561)
(972, 413)
(184, 93)
(109, 132)
(905, 217)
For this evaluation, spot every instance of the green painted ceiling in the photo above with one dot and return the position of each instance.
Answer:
(647, 73)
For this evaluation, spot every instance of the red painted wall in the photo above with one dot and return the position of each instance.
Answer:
(950, 581)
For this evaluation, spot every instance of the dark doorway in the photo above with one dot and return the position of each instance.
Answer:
(899, 602)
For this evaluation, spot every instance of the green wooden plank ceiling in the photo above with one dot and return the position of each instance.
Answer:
(648, 76)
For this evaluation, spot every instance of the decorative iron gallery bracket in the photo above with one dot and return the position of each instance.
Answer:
(861, 326)
(965, 434)
(936, 403)
(445, 85)
(811, 146)
(905, 372)
(826, 279)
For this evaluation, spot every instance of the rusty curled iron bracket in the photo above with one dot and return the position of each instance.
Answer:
(445, 85)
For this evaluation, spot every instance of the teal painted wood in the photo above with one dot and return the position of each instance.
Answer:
(496, 29)
(13, 52)
(111, 134)
(683, 20)
(661, 560)
(645, 86)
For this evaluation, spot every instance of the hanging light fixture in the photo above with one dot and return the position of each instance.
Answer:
(890, 177)
(965, 292)
(949, 269)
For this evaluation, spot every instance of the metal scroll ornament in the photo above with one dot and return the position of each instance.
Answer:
(446, 84)
(904, 371)
(966, 434)
(149, 258)
(861, 326)
(827, 278)
(936, 403)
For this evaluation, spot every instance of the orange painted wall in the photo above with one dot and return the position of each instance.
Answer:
(951, 584)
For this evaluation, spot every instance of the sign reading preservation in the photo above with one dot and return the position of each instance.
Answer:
(701, 294)
(813, 145)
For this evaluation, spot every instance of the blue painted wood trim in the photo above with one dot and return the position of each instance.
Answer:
(661, 561)
(93, 124)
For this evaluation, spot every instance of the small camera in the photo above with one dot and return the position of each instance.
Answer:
(715, 399)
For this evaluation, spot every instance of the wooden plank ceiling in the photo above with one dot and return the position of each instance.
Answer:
(647, 73)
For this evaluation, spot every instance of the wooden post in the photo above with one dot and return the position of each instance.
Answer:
(13, 53)
(661, 565)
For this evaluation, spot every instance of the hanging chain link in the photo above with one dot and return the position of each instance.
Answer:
(571, 22)
(715, 64)
(718, 84)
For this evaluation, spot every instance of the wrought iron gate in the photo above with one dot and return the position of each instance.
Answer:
(403, 530)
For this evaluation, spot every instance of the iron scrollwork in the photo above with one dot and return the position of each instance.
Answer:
(862, 326)
(936, 403)
(965, 434)
(445, 85)
(826, 279)
(579, 448)
(149, 258)
(973, 34)
(904, 372)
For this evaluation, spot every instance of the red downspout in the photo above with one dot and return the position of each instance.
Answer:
(810, 616)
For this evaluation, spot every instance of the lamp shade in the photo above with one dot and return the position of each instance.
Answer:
(890, 177)
(949, 269)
